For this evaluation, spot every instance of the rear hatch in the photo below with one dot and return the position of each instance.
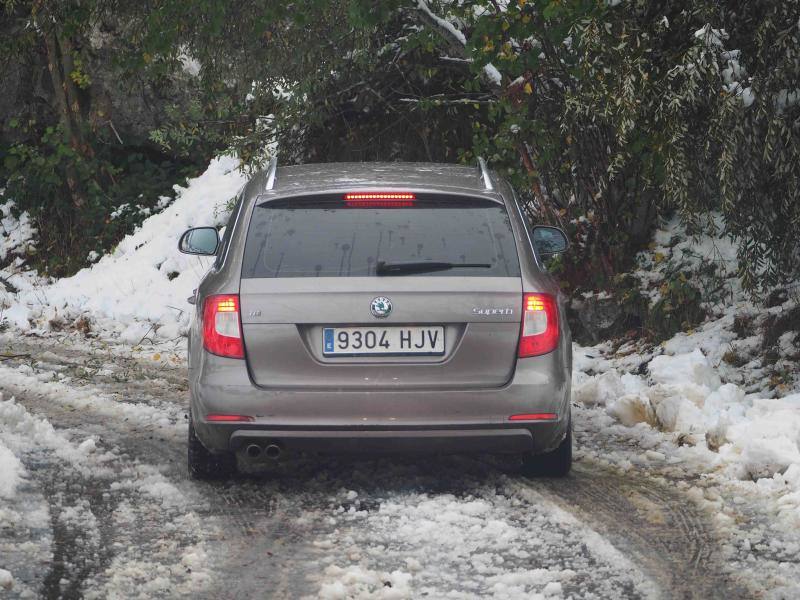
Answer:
(376, 290)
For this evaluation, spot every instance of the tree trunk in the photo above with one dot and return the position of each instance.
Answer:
(68, 108)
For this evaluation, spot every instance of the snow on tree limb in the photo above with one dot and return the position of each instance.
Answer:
(493, 74)
(456, 38)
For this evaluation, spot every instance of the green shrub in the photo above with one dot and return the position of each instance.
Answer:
(679, 308)
(40, 177)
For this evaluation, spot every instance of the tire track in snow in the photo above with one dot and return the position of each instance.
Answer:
(660, 528)
(457, 527)
(81, 524)
(128, 507)
(118, 526)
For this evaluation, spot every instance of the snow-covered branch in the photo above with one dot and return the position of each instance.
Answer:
(442, 99)
(457, 39)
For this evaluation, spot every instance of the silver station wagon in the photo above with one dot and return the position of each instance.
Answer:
(374, 308)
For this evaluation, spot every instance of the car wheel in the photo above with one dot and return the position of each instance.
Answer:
(556, 463)
(205, 465)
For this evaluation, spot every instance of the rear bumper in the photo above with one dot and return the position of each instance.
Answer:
(393, 441)
(460, 438)
(384, 420)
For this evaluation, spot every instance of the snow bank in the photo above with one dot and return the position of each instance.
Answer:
(141, 287)
(10, 472)
(15, 233)
(6, 580)
(712, 386)
(684, 394)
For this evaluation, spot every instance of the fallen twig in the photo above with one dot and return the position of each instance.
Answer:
(145, 336)
(11, 356)
(10, 287)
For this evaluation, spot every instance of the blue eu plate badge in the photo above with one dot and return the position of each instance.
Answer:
(328, 339)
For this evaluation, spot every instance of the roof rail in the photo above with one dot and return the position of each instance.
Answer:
(271, 171)
(487, 180)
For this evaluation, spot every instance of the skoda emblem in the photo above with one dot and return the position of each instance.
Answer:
(381, 307)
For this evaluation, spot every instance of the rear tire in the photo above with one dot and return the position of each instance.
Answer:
(203, 464)
(556, 463)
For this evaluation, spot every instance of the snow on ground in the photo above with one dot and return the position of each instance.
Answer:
(140, 288)
(24, 523)
(56, 386)
(496, 538)
(681, 415)
(683, 394)
(723, 398)
(750, 437)
(16, 233)
(57, 496)
(11, 471)
(27, 432)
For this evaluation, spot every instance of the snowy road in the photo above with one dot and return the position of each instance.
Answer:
(104, 508)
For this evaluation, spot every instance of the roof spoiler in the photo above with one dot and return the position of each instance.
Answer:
(272, 170)
(487, 180)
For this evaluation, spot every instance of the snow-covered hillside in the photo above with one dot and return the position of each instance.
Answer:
(141, 287)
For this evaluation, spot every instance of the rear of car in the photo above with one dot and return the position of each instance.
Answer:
(377, 317)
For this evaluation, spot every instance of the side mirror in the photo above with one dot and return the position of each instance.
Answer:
(549, 240)
(199, 240)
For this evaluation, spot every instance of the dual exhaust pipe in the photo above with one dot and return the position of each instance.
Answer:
(271, 451)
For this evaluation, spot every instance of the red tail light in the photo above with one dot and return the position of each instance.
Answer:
(539, 325)
(229, 418)
(379, 199)
(222, 326)
(534, 417)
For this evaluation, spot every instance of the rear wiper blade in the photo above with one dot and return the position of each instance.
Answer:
(408, 268)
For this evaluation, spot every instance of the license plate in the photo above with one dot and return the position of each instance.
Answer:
(397, 341)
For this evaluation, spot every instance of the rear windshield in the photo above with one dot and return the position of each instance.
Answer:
(323, 237)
